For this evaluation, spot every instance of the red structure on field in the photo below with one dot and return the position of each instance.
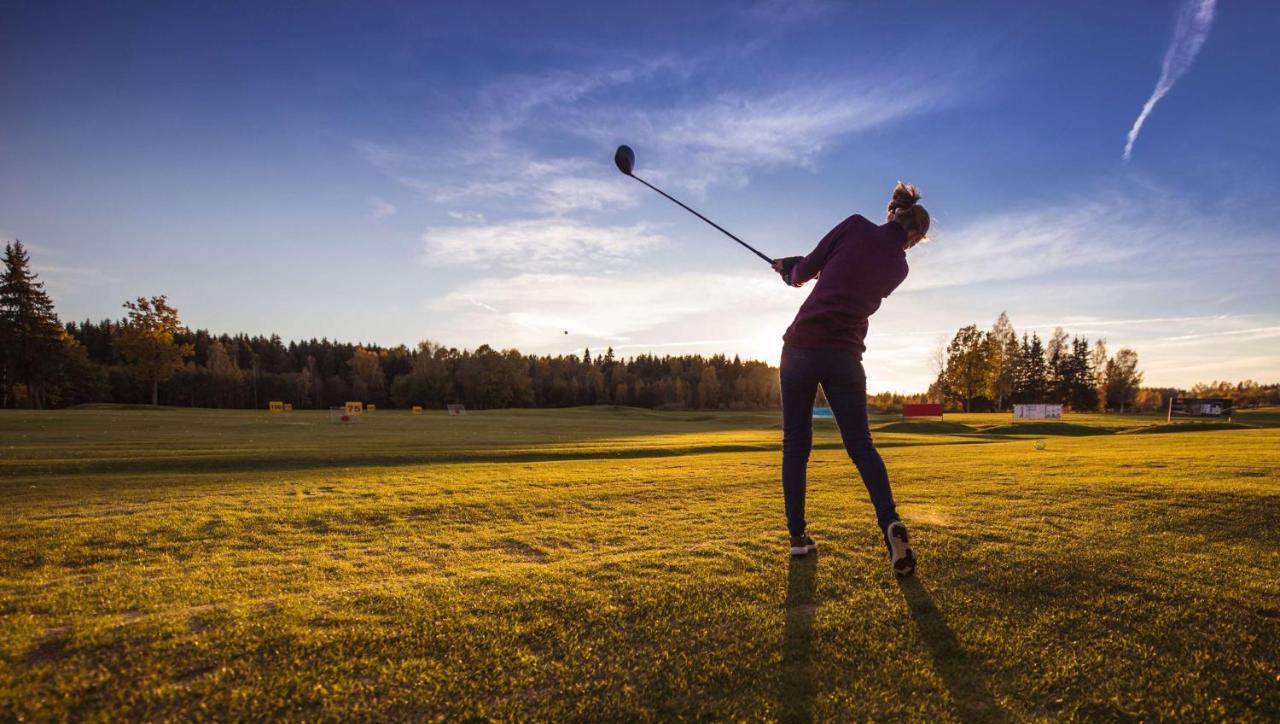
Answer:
(922, 410)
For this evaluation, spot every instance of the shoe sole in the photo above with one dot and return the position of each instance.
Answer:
(905, 565)
(803, 550)
(903, 562)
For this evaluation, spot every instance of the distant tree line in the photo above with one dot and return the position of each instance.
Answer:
(979, 371)
(247, 372)
(1245, 394)
(148, 356)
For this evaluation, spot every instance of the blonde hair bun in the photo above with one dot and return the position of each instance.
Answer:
(904, 197)
(905, 209)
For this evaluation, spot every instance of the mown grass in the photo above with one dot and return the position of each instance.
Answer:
(621, 564)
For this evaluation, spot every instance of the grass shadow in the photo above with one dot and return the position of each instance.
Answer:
(281, 460)
(964, 679)
(1064, 429)
(796, 696)
(1188, 427)
(926, 427)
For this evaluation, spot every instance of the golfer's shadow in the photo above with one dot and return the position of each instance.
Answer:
(963, 678)
(797, 692)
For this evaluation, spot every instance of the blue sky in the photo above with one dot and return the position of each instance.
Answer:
(390, 173)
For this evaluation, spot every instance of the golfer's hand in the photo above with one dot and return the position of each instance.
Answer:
(784, 266)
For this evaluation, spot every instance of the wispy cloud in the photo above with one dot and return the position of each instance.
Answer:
(1254, 333)
(1195, 18)
(62, 280)
(381, 210)
(790, 11)
(788, 127)
(57, 275)
(1028, 243)
(536, 309)
(1245, 346)
(405, 166)
(470, 217)
(736, 132)
(692, 125)
(538, 244)
(511, 102)
(554, 186)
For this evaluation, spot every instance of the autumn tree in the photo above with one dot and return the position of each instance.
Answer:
(1122, 379)
(1098, 362)
(146, 341)
(938, 366)
(1002, 353)
(967, 365)
(1148, 400)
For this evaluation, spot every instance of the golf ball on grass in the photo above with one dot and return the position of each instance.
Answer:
(1039, 444)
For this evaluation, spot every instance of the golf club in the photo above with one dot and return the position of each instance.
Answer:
(625, 158)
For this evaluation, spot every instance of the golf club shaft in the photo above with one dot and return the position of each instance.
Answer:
(719, 228)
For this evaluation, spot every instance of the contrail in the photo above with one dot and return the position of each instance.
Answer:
(1195, 17)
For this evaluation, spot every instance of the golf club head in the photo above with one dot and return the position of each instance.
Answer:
(625, 158)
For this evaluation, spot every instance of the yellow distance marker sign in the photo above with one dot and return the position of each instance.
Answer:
(355, 408)
(275, 406)
(417, 409)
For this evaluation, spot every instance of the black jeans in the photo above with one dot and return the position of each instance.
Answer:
(843, 379)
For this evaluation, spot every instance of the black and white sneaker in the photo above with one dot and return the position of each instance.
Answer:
(902, 558)
(802, 545)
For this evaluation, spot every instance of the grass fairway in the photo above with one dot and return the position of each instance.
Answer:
(625, 564)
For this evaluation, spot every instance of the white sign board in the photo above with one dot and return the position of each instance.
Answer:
(1037, 412)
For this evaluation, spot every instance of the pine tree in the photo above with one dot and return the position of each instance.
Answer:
(1013, 360)
(1036, 371)
(1083, 394)
(1019, 393)
(31, 345)
(1059, 374)
(1030, 378)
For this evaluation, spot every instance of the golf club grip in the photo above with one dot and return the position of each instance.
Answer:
(719, 228)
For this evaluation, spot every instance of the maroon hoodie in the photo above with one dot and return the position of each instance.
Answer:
(858, 264)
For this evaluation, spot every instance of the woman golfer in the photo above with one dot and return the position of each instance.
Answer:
(857, 264)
